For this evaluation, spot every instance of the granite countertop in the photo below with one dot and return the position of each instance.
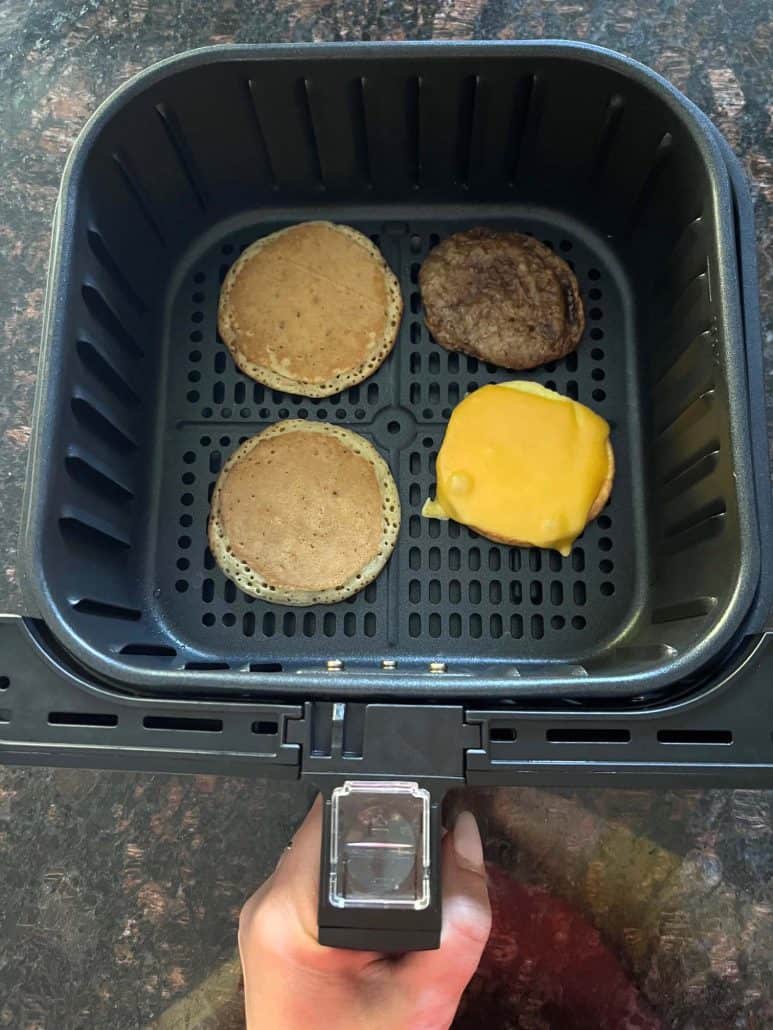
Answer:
(120, 892)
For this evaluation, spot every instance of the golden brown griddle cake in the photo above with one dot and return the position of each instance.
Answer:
(310, 310)
(304, 513)
(502, 297)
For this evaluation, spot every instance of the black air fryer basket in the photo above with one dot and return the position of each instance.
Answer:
(465, 659)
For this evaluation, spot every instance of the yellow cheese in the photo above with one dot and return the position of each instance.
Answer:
(521, 463)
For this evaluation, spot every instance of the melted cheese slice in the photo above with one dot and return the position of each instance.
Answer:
(521, 463)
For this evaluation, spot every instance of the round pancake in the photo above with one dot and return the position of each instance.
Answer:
(310, 310)
(304, 513)
(502, 297)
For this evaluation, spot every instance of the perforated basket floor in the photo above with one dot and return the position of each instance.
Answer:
(446, 591)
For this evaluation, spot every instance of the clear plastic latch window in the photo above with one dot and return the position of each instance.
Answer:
(379, 845)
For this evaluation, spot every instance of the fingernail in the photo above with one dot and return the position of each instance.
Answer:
(467, 842)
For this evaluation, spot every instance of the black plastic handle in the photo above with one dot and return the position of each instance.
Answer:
(381, 928)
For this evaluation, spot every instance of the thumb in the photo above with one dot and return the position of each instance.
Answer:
(466, 916)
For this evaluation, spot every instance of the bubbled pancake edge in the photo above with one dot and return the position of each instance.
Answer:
(250, 580)
(275, 380)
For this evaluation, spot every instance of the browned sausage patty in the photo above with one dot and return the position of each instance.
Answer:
(502, 297)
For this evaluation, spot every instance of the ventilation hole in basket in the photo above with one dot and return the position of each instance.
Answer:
(593, 273)
(605, 544)
(578, 622)
(535, 592)
(207, 591)
(208, 619)
(598, 374)
(557, 622)
(269, 624)
(474, 592)
(199, 278)
(496, 627)
(606, 565)
(209, 559)
(229, 591)
(537, 627)
(4, 682)
(572, 389)
(579, 593)
(516, 592)
(571, 362)
(454, 591)
(454, 559)
(229, 619)
(183, 564)
(414, 591)
(516, 626)
(607, 588)
(206, 412)
(414, 624)
(181, 586)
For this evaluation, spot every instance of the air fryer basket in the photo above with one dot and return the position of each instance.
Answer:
(139, 402)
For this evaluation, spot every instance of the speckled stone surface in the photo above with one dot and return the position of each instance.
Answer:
(119, 893)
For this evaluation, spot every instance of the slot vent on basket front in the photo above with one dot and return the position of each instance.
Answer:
(102, 719)
(587, 735)
(100, 251)
(180, 146)
(709, 737)
(181, 722)
(104, 316)
(138, 193)
(104, 371)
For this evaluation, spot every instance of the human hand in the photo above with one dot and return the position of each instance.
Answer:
(291, 982)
